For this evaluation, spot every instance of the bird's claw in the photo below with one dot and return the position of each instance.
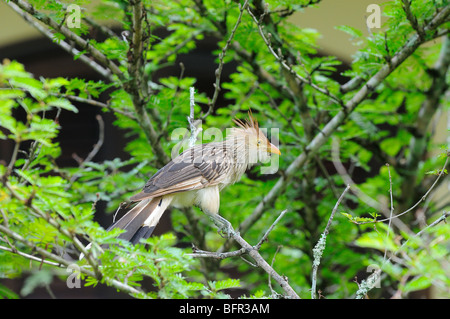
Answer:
(225, 228)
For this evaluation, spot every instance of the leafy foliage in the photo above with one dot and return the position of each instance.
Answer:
(51, 208)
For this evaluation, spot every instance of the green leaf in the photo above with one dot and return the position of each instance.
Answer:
(376, 240)
(353, 32)
(61, 103)
(33, 86)
(39, 278)
(11, 94)
(418, 283)
(5, 292)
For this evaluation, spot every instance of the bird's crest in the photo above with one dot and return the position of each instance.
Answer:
(250, 125)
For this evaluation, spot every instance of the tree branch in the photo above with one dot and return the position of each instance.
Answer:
(106, 73)
(137, 86)
(252, 251)
(61, 261)
(79, 41)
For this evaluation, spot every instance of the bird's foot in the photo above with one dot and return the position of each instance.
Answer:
(225, 228)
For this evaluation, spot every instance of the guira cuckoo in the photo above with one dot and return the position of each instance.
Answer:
(196, 177)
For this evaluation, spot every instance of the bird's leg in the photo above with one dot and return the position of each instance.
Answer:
(223, 225)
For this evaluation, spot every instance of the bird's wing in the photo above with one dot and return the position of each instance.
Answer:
(198, 167)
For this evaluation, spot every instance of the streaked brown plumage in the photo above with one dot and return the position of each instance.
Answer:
(196, 177)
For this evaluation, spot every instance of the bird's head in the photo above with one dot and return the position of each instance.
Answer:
(256, 142)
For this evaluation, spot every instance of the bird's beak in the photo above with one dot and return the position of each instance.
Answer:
(274, 149)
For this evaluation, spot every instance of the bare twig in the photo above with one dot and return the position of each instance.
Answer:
(195, 126)
(93, 152)
(357, 191)
(98, 104)
(392, 207)
(12, 162)
(412, 18)
(266, 234)
(424, 196)
(222, 55)
(269, 281)
(289, 68)
(198, 253)
(28, 256)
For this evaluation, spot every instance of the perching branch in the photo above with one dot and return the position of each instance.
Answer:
(252, 251)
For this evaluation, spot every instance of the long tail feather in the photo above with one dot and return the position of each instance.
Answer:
(136, 217)
(141, 220)
(147, 227)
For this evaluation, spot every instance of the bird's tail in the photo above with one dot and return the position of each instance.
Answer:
(142, 219)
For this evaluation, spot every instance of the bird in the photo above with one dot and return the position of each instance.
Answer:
(195, 178)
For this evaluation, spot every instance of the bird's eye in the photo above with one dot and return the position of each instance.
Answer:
(259, 142)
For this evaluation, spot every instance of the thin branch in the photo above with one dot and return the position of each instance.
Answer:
(222, 55)
(137, 86)
(198, 253)
(194, 125)
(269, 281)
(320, 246)
(424, 196)
(358, 192)
(392, 207)
(266, 234)
(93, 152)
(289, 68)
(406, 4)
(98, 104)
(180, 45)
(12, 162)
(351, 85)
(59, 261)
(366, 285)
(53, 222)
(31, 257)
